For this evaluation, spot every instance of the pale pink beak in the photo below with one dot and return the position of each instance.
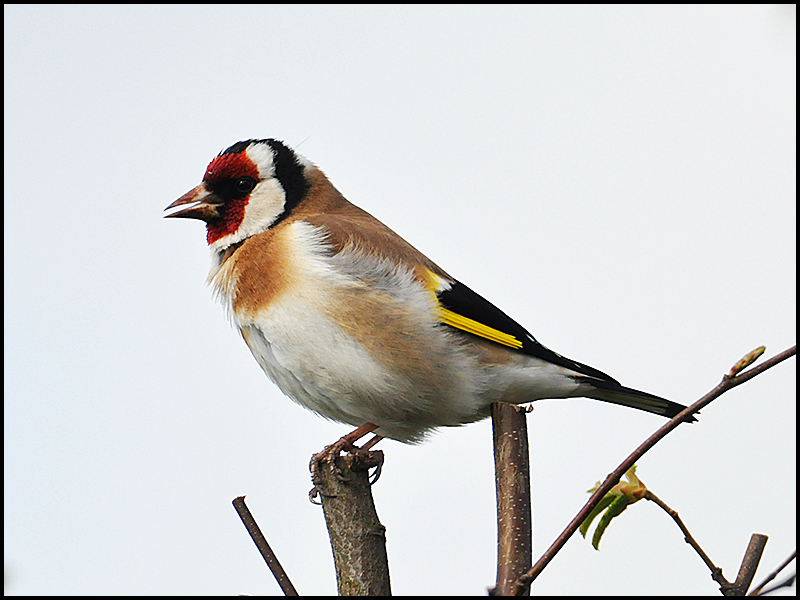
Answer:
(206, 205)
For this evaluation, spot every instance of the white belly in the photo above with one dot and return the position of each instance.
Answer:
(317, 364)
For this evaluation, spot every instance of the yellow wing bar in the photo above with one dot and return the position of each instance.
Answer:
(471, 326)
(437, 285)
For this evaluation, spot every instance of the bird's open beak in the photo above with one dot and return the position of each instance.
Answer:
(206, 206)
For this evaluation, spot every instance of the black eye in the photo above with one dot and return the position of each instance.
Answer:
(245, 185)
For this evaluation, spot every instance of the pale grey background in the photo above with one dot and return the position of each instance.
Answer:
(621, 180)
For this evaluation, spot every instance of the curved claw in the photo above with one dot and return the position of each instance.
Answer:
(312, 496)
(378, 468)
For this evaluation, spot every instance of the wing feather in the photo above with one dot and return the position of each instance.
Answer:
(458, 299)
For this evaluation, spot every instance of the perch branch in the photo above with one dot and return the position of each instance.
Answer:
(512, 484)
(358, 539)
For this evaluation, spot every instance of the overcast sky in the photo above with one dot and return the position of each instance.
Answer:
(620, 180)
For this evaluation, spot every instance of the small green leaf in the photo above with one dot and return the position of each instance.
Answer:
(613, 503)
(616, 508)
(601, 506)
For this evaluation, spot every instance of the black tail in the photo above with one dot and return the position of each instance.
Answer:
(611, 391)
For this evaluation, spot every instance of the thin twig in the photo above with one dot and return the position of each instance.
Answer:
(716, 572)
(261, 543)
(787, 582)
(774, 574)
(726, 384)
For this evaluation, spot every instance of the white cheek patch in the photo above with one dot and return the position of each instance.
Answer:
(265, 205)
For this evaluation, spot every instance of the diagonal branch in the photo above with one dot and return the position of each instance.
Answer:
(757, 590)
(263, 547)
(716, 572)
(730, 381)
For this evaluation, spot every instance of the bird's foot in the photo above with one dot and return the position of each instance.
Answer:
(327, 459)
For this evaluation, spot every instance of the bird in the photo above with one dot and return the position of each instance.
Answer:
(351, 321)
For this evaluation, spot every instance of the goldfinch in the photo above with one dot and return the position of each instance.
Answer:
(354, 323)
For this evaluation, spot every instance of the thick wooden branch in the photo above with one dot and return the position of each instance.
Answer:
(358, 539)
(512, 482)
(747, 571)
